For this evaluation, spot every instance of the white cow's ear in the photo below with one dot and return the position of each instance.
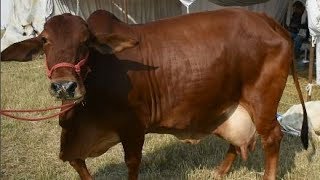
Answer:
(112, 43)
(22, 51)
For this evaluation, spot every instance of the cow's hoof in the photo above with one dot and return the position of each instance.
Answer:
(217, 175)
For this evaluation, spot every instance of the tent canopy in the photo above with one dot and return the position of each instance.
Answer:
(237, 2)
(28, 16)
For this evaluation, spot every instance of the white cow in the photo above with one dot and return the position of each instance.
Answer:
(291, 120)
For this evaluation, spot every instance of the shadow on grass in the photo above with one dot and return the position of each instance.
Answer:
(177, 160)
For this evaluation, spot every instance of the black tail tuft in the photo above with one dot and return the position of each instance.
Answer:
(304, 131)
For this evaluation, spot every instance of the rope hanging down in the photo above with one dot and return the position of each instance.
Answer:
(309, 89)
(8, 112)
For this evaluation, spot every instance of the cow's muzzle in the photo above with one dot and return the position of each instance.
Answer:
(64, 89)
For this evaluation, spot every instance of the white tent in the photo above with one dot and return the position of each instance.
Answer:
(28, 16)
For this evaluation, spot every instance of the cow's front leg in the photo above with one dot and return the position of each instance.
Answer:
(81, 167)
(133, 153)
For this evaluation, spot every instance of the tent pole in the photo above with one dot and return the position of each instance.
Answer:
(126, 11)
(311, 57)
(112, 5)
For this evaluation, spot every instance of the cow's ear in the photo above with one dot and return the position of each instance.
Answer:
(112, 43)
(22, 51)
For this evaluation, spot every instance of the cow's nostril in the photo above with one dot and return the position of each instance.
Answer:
(63, 89)
(70, 87)
(55, 87)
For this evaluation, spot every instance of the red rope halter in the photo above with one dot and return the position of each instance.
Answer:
(76, 67)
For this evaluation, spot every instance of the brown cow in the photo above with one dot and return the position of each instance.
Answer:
(184, 76)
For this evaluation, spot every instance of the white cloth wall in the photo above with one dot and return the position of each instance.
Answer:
(274, 8)
(139, 11)
(313, 9)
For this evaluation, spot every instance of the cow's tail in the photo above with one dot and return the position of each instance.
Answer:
(304, 134)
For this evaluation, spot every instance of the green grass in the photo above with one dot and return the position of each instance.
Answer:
(29, 150)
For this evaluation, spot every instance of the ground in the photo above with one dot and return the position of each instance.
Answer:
(29, 150)
(2, 31)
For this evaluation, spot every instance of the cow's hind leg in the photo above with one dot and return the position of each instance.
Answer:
(80, 166)
(262, 98)
(264, 115)
(271, 136)
(227, 162)
(263, 103)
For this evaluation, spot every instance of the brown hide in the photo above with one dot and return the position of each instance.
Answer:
(22, 51)
(183, 76)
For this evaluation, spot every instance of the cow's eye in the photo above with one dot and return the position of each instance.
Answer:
(85, 43)
(44, 40)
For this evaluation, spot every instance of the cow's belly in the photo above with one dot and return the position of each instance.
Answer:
(238, 129)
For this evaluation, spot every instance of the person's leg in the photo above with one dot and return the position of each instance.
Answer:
(297, 43)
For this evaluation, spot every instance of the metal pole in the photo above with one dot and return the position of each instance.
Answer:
(311, 57)
(126, 11)
(112, 6)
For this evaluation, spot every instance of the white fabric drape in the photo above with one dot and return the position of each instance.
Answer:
(313, 10)
(150, 10)
(291, 121)
(25, 12)
(26, 17)
(139, 11)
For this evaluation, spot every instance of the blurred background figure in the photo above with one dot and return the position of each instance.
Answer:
(297, 28)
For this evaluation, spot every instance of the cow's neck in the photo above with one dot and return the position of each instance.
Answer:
(111, 81)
